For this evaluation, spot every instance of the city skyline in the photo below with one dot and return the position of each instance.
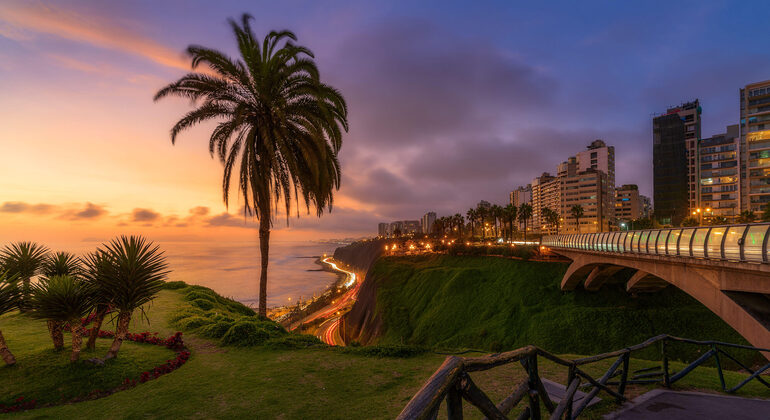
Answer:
(416, 143)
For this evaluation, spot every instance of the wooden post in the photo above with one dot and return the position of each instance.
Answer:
(534, 405)
(666, 377)
(624, 375)
(719, 367)
(454, 404)
(570, 377)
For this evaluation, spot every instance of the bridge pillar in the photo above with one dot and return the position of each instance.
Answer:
(643, 281)
(599, 276)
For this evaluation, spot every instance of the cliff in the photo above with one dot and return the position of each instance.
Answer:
(362, 322)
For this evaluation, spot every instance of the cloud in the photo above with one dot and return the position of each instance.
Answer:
(91, 211)
(22, 207)
(199, 211)
(101, 31)
(227, 219)
(145, 215)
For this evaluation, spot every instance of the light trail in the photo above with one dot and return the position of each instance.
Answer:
(351, 275)
(342, 301)
(327, 336)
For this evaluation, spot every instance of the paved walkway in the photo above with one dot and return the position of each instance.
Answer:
(674, 405)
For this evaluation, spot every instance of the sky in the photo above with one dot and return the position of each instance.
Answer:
(449, 103)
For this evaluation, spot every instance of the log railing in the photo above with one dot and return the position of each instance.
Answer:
(453, 384)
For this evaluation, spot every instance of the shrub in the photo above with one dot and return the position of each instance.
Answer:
(179, 315)
(204, 304)
(386, 350)
(245, 333)
(174, 285)
(193, 322)
(215, 330)
(197, 294)
(294, 341)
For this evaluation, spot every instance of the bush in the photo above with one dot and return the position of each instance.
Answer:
(178, 316)
(215, 330)
(245, 333)
(175, 285)
(294, 341)
(386, 350)
(197, 294)
(204, 304)
(193, 322)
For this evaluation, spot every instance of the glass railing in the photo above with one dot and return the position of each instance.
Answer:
(745, 242)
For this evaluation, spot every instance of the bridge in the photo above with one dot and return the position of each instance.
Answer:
(726, 268)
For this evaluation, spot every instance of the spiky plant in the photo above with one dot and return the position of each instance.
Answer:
(63, 299)
(96, 267)
(60, 264)
(23, 260)
(134, 273)
(9, 300)
(276, 117)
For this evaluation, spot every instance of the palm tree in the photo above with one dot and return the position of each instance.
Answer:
(766, 213)
(459, 222)
(510, 211)
(60, 264)
(471, 216)
(747, 216)
(718, 220)
(482, 213)
(9, 300)
(577, 212)
(276, 116)
(97, 266)
(525, 212)
(551, 217)
(134, 273)
(63, 299)
(24, 260)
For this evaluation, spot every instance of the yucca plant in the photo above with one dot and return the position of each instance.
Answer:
(96, 267)
(63, 299)
(24, 260)
(135, 273)
(60, 264)
(9, 300)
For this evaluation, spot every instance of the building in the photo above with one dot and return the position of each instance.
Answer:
(601, 157)
(675, 170)
(590, 189)
(718, 174)
(546, 193)
(428, 219)
(755, 146)
(521, 195)
(628, 203)
(383, 230)
(484, 204)
(646, 204)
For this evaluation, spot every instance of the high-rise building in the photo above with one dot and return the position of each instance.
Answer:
(629, 204)
(589, 189)
(546, 193)
(428, 219)
(383, 230)
(719, 181)
(755, 146)
(646, 205)
(521, 195)
(675, 170)
(601, 157)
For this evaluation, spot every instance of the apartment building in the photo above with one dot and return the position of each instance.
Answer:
(755, 146)
(718, 174)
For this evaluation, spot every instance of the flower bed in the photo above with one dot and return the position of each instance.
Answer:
(174, 343)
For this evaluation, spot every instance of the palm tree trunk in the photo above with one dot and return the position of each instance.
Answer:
(124, 320)
(5, 353)
(55, 329)
(25, 292)
(101, 312)
(264, 248)
(77, 340)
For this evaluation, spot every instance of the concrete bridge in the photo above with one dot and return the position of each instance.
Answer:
(726, 268)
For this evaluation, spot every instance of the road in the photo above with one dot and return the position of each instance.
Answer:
(329, 332)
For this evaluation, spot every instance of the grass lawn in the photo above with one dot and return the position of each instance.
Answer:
(228, 382)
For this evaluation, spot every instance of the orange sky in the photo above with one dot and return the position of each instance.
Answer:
(85, 151)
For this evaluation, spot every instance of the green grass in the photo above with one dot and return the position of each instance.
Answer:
(499, 304)
(273, 382)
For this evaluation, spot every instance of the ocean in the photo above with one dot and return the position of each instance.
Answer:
(232, 268)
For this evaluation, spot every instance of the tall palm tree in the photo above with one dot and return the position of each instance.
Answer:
(577, 213)
(276, 116)
(525, 212)
(458, 222)
(510, 211)
(63, 299)
(9, 300)
(24, 260)
(471, 216)
(60, 264)
(482, 214)
(97, 267)
(134, 273)
(551, 217)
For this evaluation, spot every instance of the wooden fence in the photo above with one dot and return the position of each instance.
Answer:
(452, 383)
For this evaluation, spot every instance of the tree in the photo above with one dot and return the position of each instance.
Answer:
(766, 213)
(60, 264)
(276, 117)
(496, 213)
(718, 220)
(458, 222)
(690, 221)
(97, 266)
(9, 300)
(747, 216)
(63, 299)
(510, 211)
(525, 212)
(135, 270)
(471, 215)
(482, 213)
(23, 260)
(551, 217)
(577, 212)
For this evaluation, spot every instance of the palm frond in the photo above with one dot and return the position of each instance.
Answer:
(61, 264)
(23, 259)
(61, 298)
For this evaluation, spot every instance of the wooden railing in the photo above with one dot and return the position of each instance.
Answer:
(452, 382)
